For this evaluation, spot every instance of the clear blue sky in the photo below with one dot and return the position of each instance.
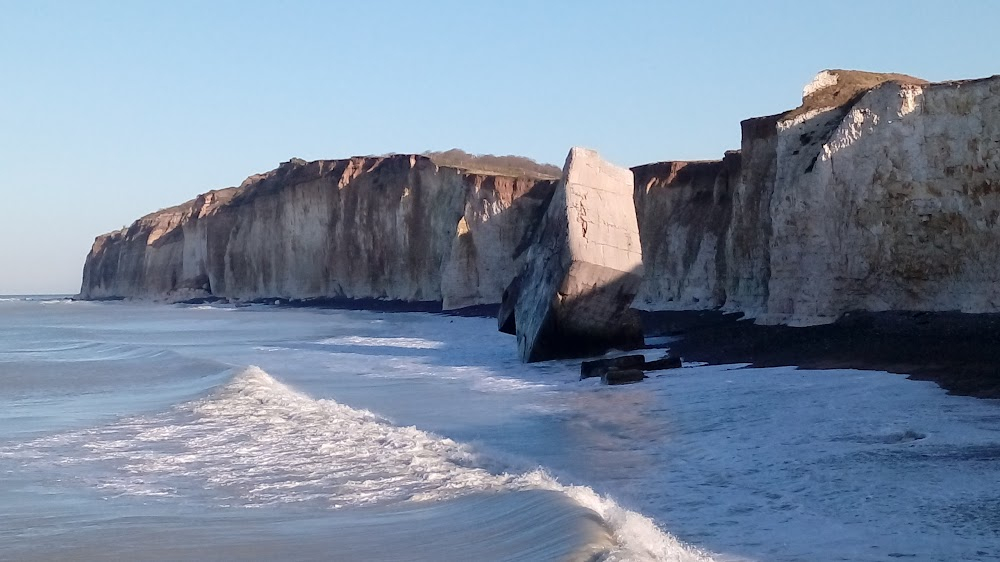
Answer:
(112, 109)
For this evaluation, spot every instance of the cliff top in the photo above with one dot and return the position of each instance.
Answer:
(213, 197)
(509, 165)
(484, 164)
(835, 87)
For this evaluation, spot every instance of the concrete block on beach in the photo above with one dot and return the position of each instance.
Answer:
(622, 376)
(600, 367)
(666, 362)
(583, 268)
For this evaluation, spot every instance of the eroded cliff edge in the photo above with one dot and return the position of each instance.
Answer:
(397, 227)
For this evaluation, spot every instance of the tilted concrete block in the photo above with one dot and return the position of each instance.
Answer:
(584, 266)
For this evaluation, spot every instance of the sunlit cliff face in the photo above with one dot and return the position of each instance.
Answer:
(396, 227)
(879, 192)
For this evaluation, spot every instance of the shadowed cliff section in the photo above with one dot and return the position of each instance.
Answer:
(389, 228)
(684, 210)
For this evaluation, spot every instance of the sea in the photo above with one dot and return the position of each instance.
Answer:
(137, 431)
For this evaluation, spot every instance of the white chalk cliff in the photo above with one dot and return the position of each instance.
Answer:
(684, 210)
(870, 198)
(396, 228)
(881, 192)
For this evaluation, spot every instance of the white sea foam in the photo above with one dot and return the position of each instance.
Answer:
(495, 383)
(257, 442)
(478, 378)
(220, 308)
(638, 538)
(406, 343)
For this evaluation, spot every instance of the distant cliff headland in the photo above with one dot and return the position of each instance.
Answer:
(880, 192)
(398, 227)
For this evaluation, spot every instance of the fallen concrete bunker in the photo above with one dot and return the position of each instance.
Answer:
(626, 369)
(582, 269)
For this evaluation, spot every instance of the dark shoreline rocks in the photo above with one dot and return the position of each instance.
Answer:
(601, 367)
(625, 369)
(960, 352)
(622, 376)
(669, 361)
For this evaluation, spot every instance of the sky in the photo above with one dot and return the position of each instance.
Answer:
(110, 110)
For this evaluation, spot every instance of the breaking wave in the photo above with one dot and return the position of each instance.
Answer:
(255, 442)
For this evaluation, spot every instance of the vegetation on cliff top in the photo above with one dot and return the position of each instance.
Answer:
(509, 165)
(848, 87)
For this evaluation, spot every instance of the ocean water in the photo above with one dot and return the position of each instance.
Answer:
(165, 432)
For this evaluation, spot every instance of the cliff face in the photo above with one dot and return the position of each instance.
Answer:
(880, 192)
(684, 210)
(887, 201)
(396, 227)
(161, 254)
(497, 216)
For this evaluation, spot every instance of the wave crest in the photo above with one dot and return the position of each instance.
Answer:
(255, 441)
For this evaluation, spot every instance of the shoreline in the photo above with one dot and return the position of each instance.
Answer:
(960, 352)
(378, 305)
(331, 303)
